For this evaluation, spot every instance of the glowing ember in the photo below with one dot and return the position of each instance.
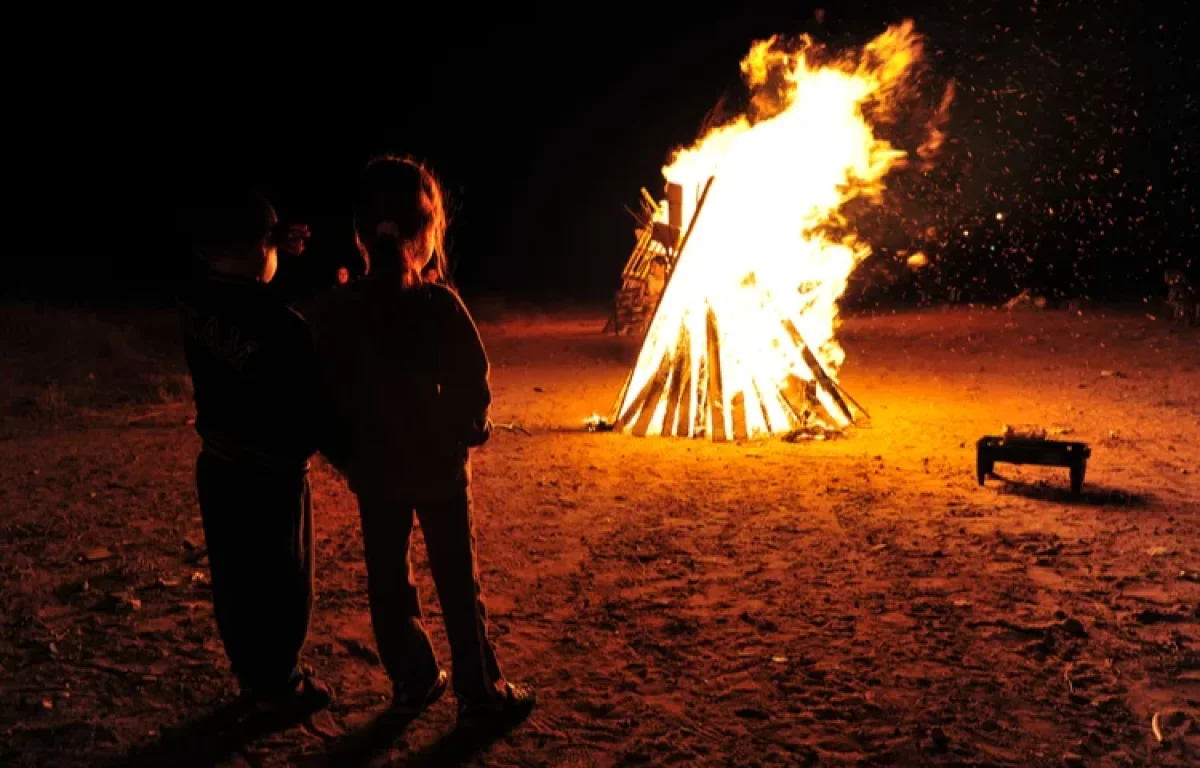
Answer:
(742, 344)
(597, 423)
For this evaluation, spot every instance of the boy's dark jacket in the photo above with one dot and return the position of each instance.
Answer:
(410, 376)
(260, 396)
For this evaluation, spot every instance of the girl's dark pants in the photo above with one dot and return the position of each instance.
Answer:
(400, 634)
(258, 527)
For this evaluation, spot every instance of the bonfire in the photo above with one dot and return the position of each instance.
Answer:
(742, 341)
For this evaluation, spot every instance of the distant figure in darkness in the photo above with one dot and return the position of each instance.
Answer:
(261, 412)
(304, 276)
(411, 374)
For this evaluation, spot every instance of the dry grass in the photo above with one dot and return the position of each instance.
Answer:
(60, 363)
(56, 363)
(495, 312)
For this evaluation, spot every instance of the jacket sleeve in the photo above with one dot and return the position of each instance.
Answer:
(466, 395)
(330, 427)
(333, 431)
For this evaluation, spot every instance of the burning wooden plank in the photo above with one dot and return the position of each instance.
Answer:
(762, 404)
(650, 392)
(666, 399)
(716, 393)
(737, 410)
(680, 387)
(701, 388)
(799, 396)
(818, 371)
(664, 403)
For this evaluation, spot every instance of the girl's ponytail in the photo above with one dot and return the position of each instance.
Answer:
(400, 221)
(384, 252)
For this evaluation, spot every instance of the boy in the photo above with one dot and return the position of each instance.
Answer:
(261, 413)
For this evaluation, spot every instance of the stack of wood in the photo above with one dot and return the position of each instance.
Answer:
(633, 308)
(682, 399)
(698, 409)
(649, 265)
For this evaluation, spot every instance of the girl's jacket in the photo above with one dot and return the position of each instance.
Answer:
(410, 380)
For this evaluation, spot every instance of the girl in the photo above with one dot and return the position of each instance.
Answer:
(411, 378)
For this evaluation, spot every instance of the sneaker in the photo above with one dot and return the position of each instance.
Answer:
(516, 705)
(410, 704)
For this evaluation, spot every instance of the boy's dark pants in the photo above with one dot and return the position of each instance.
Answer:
(258, 526)
(403, 642)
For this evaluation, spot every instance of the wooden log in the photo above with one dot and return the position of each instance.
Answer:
(616, 412)
(635, 406)
(836, 389)
(683, 425)
(737, 407)
(680, 372)
(803, 404)
(766, 413)
(649, 202)
(826, 382)
(716, 397)
(628, 413)
(675, 206)
(635, 266)
(823, 379)
(699, 428)
(666, 235)
(654, 390)
(800, 397)
(695, 216)
(813, 409)
(678, 251)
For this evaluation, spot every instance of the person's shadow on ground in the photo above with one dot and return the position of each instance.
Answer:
(213, 738)
(209, 739)
(458, 747)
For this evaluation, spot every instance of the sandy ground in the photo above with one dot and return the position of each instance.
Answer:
(854, 602)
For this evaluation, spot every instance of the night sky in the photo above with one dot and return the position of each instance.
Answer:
(1074, 120)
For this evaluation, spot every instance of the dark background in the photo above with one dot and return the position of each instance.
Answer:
(1074, 120)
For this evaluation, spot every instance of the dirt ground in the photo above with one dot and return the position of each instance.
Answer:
(860, 601)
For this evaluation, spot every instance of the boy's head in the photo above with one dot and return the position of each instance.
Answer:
(232, 233)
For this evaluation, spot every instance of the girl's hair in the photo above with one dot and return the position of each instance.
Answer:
(399, 212)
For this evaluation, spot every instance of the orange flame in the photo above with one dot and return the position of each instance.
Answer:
(760, 255)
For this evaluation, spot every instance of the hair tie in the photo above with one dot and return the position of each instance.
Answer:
(387, 228)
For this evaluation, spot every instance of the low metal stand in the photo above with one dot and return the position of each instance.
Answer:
(1046, 453)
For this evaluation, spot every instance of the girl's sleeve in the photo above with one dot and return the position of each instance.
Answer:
(466, 394)
(331, 429)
